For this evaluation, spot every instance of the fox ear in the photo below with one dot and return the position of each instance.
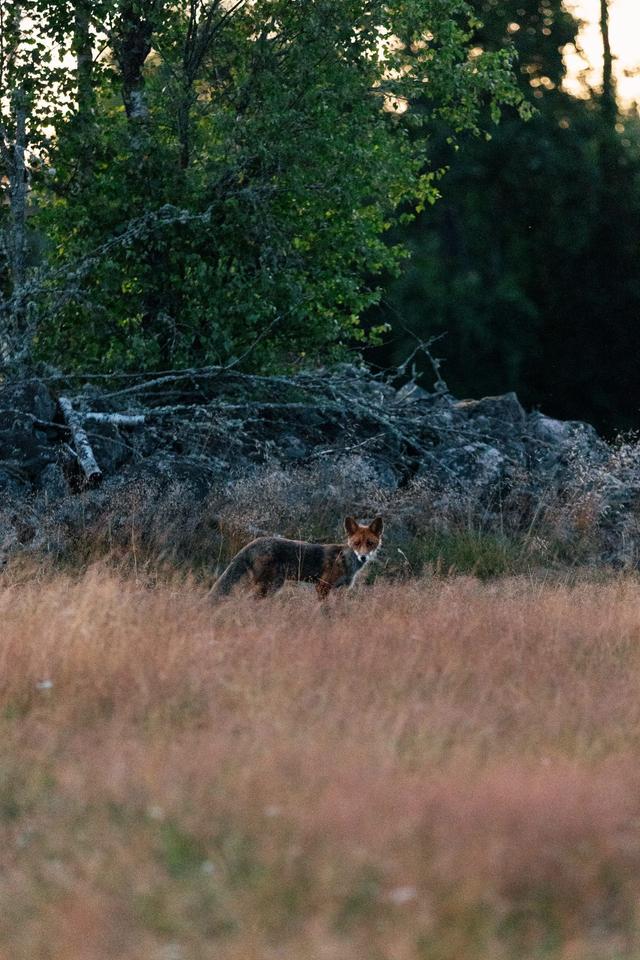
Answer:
(350, 525)
(376, 526)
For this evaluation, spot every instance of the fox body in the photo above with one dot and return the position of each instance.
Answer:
(267, 562)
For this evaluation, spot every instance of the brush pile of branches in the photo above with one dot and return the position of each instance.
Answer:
(219, 421)
(71, 445)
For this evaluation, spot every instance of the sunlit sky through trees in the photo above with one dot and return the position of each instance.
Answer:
(585, 65)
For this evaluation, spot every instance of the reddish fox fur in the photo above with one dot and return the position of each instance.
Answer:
(267, 562)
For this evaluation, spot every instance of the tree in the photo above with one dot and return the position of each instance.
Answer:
(609, 104)
(238, 205)
(529, 262)
(25, 67)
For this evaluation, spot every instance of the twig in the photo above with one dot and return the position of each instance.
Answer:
(117, 419)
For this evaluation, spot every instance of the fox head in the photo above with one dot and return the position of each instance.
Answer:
(363, 540)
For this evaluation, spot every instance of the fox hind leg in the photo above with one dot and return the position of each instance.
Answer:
(268, 584)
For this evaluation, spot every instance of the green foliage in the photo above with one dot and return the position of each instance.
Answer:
(475, 552)
(231, 192)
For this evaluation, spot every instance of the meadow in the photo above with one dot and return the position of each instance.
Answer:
(433, 769)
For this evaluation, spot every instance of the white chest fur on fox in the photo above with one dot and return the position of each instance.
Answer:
(363, 561)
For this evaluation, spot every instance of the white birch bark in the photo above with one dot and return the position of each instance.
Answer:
(86, 459)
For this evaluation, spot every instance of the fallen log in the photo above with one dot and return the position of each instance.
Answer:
(83, 451)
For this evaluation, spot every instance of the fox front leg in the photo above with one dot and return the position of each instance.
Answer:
(323, 589)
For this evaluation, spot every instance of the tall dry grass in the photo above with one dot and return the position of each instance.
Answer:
(583, 519)
(430, 770)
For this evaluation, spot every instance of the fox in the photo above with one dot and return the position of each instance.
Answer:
(267, 562)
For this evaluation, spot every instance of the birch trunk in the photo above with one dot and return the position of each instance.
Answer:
(131, 39)
(13, 141)
(18, 192)
(13, 342)
(81, 445)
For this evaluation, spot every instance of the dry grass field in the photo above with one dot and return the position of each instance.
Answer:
(439, 770)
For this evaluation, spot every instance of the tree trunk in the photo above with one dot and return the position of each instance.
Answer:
(131, 41)
(184, 129)
(82, 127)
(609, 103)
(14, 345)
(83, 50)
(18, 191)
(13, 148)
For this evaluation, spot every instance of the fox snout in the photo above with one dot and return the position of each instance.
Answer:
(364, 540)
(363, 553)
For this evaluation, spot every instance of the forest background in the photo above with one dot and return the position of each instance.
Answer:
(277, 185)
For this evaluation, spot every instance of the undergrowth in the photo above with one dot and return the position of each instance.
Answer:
(156, 527)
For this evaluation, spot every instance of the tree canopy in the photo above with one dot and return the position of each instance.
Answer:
(209, 180)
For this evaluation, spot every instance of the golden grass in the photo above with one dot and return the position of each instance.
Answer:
(432, 770)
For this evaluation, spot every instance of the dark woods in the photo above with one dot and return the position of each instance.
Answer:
(530, 260)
